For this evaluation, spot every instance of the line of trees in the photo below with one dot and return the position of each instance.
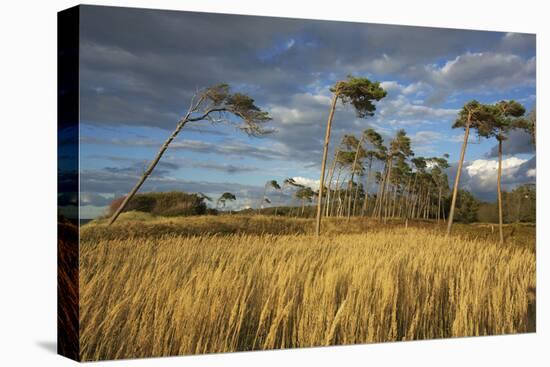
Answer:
(405, 184)
(369, 178)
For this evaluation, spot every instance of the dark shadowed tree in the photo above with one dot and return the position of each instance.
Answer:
(214, 104)
(440, 179)
(361, 93)
(467, 207)
(477, 116)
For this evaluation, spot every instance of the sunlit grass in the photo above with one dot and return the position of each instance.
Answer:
(179, 294)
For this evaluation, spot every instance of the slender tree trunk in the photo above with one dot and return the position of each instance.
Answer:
(324, 162)
(150, 168)
(499, 192)
(347, 196)
(380, 194)
(329, 186)
(385, 187)
(336, 193)
(394, 203)
(353, 167)
(457, 178)
(439, 204)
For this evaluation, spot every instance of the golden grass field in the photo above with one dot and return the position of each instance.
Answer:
(233, 283)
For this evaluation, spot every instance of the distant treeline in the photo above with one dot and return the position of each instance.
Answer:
(519, 205)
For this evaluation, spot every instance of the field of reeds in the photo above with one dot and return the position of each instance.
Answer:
(159, 287)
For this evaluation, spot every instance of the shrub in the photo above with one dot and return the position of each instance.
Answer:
(163, 203)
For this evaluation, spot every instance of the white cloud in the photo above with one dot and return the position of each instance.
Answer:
(413, 88)
(401, 109)
(314, 184)
(304, 109)
(481, 174)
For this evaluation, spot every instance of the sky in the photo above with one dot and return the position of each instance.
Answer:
(140, 68)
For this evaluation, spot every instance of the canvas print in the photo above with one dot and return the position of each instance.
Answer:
(236, 183)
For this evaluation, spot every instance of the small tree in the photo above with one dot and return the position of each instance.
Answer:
(361, 94)
(305, 194)
(290, 182)
(269, 184)
(214, 104)
(226, 196)
(480, 117)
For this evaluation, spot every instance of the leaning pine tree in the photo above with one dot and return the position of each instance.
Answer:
(360, 93)
(214, 104)
(477, 116)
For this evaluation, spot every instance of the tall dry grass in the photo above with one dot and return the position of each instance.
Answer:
(178, 294)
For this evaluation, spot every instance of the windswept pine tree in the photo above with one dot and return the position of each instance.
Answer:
(361, 93)
(290, 183)
(224, 198)
(305, 194)
(214, 104)
(273, 184)
(399, 151)
(481, 118)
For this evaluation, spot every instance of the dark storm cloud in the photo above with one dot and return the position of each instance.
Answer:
(518, 142)
(226, 148)
(67, 198)
(141, 66)
(170, 164)
(104, 181)
(222, 167)
(99, 184)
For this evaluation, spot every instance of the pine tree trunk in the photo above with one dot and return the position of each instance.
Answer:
(149, 169)
(458, 172)
(499, 192)
(336, 194)
(439, 204)
(353, 167)
(324, 162)
(329, 186)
